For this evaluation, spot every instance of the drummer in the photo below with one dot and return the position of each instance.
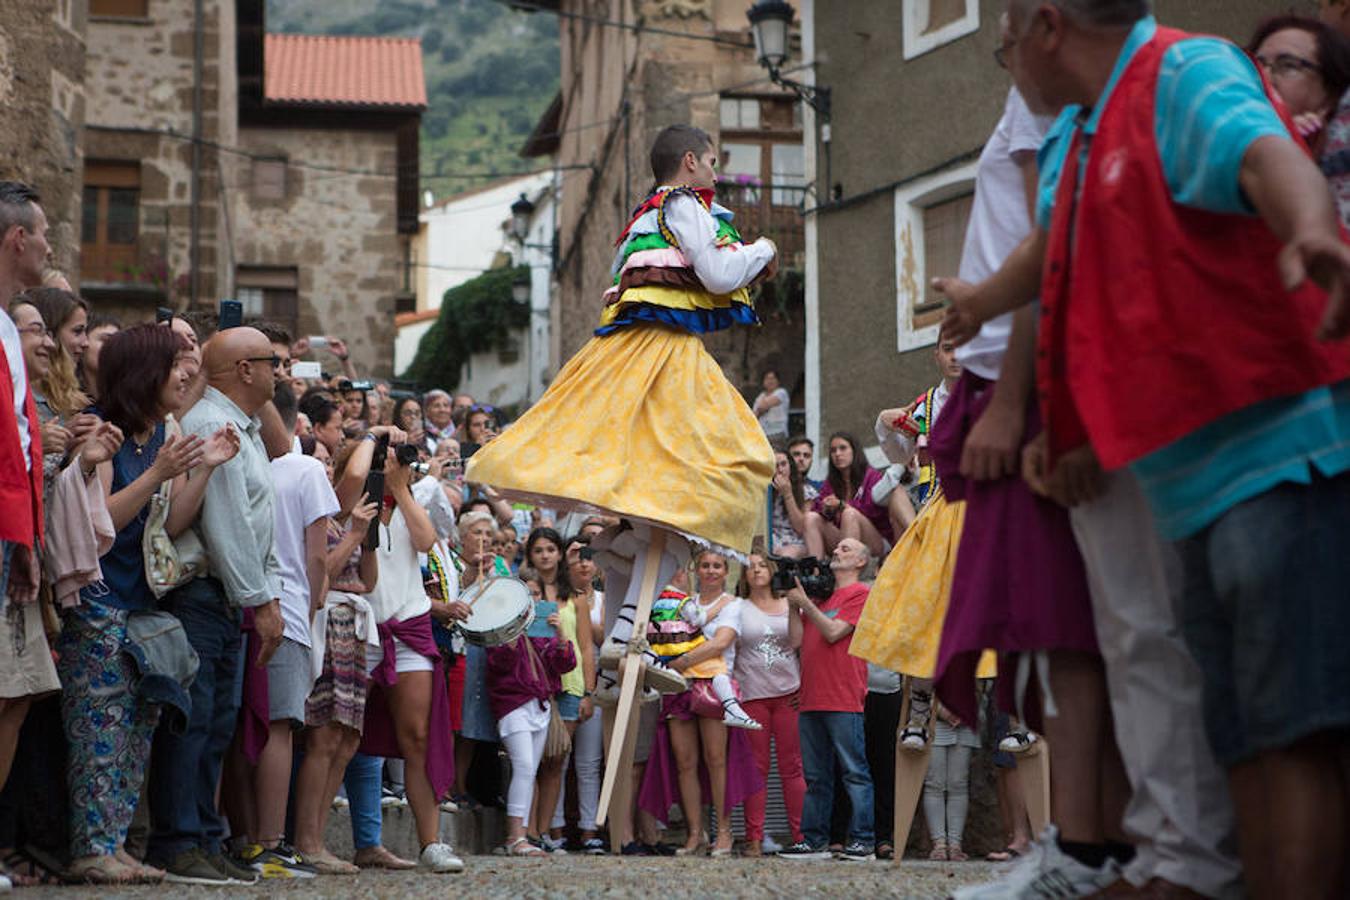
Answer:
(476, 532)
(523, 677)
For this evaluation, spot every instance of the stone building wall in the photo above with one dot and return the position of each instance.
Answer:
(336, 228)
(42, 52)
(140, 77)
(666, 80)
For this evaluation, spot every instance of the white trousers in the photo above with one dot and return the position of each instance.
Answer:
(588, 749)
(1180, 810)
(526, 749)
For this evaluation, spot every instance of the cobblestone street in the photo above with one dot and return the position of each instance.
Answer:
(578, 876)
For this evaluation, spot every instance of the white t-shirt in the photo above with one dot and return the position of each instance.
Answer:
(729, 617)
(398, 593)
(998, 223)
(774, 420)
(18, 373)
(303, 497)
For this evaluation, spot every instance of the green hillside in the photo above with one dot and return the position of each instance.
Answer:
(491, 72)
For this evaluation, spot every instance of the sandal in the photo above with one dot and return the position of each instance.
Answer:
(939, 850)
(955, 853)
(145, 874)
(1007, 854)
(885, 850)
(380, 857)
(523, 846)
(25, 870)
(101, 869)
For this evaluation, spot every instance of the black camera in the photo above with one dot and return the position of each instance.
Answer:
(405, 454)
(816, 576)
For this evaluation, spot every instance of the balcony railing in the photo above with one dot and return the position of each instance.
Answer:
(769, 210)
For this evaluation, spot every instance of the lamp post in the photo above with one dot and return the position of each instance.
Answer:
(521, 213)
(770, 22)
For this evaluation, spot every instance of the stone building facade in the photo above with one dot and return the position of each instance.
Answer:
(185, 156)
(619, 88)
(42, 52)
(916, 93)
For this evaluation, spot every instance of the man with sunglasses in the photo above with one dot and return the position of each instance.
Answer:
(236, 526)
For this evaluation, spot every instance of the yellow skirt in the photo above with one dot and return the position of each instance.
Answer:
(641, 424)
(901, 624)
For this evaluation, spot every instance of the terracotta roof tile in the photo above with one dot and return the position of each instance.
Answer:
(321, 70)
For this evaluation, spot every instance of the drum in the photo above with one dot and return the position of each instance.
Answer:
(502, 609)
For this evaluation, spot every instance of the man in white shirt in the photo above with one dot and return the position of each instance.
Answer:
(304, 502)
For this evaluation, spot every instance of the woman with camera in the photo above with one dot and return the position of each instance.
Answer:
(407, 669)
(845, 508)
(770, 675)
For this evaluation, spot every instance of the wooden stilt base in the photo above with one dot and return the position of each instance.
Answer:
(910, 768)
(617, 787)
(1033, 770)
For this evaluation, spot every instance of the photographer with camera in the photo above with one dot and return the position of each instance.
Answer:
(411, 720)
(830, 721)
(769, 675)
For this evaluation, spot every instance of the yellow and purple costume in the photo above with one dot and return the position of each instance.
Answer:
(641, 422)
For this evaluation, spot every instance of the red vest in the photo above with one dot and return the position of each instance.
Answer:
(1158, 319)
(20, 484)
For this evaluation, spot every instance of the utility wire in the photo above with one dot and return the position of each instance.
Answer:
(527, 6)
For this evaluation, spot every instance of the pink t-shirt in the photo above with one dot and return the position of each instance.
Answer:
(832, 680)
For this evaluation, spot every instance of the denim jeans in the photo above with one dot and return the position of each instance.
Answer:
(6, 551)
(362, 781)
(831, 739)
(185, 769)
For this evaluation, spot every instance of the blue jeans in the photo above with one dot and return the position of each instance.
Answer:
(829, 739)
(362, 781)
(185, 768)
(6, 551)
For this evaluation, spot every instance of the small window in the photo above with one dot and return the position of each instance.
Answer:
(269, 179)
(740, 113)
(741, 174)
(270, 293)
(110, 220)
(931, 215)
(789, 174)
(120, 9)
(929, 24)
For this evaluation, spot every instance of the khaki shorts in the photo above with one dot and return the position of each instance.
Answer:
(26, 666)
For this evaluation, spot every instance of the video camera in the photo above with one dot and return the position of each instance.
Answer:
(816, 576)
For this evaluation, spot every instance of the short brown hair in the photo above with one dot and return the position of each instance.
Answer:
(133, 366)
(672, 144)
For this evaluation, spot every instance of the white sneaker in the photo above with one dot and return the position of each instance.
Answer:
(1042, 873)
(1018, 741)
(912, 739)
(440, 858)
(5, 884)
(606, 695)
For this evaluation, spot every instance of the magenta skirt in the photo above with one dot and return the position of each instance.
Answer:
(661, 784)
(1019, 583)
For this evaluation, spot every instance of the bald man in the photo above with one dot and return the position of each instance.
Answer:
(235, 527)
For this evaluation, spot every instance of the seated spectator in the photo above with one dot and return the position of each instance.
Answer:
(845, 508)
(803, 452)
(791, 498)
(771, 407)
(1308, 65)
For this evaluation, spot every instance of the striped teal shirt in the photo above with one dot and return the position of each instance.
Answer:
(1211, 107)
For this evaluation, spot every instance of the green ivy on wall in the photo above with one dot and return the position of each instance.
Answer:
(477, 316)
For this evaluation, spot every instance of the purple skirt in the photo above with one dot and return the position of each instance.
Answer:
(661, 784)
(1019, 583)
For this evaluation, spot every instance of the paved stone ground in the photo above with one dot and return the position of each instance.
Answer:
(591, 877)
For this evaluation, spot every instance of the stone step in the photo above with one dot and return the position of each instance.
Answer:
(470, 833)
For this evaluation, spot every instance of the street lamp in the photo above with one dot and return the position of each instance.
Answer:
(520, 289)
(770, 21)
(521, 212)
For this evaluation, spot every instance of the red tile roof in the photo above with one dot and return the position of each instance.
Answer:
(320, 70)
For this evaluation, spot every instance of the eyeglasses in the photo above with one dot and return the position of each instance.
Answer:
(37, 328)
(273, 359)
(1286, 64)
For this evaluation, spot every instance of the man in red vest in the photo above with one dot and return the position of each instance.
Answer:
(1194, 296)
(26, 665)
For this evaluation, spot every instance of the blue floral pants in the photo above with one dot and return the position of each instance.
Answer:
(108, 728)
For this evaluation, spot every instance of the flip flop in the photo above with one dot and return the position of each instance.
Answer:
(1007, 854)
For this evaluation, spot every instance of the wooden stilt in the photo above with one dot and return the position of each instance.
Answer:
(1033, 769)
(623, 737)
(910, 768)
